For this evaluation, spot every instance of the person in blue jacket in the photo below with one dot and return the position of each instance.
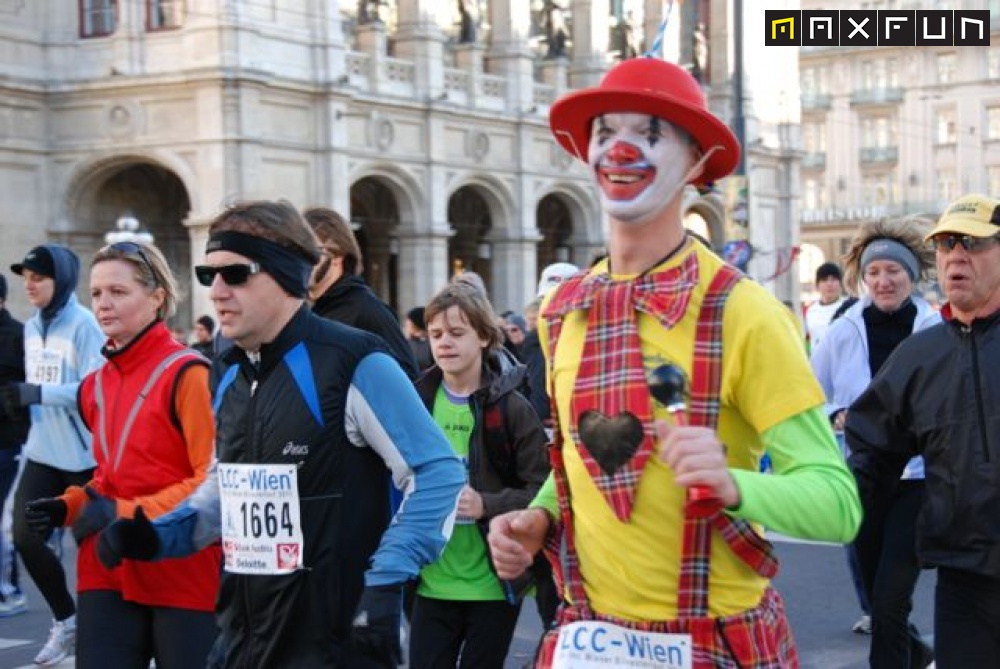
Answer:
(312, 418)
(62, 344)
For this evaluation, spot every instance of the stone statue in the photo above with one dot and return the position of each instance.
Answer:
(368, 11)
(699, 52)
(556, 31)
(467, 29)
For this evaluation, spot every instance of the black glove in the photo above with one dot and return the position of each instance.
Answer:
(99, 512)
(16, 397)
(20, 395)
(133, 538)
(375, 629)
(41, 515)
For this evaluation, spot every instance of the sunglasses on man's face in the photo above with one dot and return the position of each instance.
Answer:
(233, 275)
(948, 242)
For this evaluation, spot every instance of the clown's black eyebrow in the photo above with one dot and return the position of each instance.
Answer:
(601, 127)
(655, 132)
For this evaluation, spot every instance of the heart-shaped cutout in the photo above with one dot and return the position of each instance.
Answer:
(611, 441)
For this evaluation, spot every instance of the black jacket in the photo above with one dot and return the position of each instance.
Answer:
(531, 353)
(301, 620)
(352, 302)
(13, 429)
(508, 458)
(938, 396)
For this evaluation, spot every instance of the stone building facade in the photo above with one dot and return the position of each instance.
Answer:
(423, 121)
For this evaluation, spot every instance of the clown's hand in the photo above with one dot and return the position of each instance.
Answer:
(514, 539)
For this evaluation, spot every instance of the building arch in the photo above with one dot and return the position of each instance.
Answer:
(103, 190)
(375, 217)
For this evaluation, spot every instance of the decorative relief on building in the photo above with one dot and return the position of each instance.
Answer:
(381, 131)
(122, 119)
(559, 158)
(478, 145)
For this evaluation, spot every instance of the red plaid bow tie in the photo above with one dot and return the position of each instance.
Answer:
(611, 408)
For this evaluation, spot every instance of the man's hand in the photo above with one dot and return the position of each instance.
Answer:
(470, 504)
(514, 539)
(133, 538)
(98, 513)
(375, 629)
(41, 515)
(698, 458)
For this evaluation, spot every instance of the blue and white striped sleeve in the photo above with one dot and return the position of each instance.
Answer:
(385, 413)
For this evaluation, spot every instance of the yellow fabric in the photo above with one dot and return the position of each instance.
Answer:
(631, 570)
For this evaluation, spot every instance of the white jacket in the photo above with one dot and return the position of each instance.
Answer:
(840, 362)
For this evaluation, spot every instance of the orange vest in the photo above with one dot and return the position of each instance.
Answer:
(152, 455)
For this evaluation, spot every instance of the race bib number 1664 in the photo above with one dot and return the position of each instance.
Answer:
(261, 528)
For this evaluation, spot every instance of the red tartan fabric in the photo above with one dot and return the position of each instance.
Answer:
(759, 638)
(762, 639)
(611, 378)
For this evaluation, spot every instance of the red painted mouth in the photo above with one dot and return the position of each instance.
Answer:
(623, 184)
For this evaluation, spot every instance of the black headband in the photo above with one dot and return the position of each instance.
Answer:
(290, 269)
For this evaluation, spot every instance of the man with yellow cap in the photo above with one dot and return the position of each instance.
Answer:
(653, 514)
(939, 396)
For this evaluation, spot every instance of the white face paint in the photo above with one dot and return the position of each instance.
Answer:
(640, 163)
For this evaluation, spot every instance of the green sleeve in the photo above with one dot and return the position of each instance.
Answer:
(546, 497)
(811, 493)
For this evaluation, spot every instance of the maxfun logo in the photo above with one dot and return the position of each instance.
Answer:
(877, 27)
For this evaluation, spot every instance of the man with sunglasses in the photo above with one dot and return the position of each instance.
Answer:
(938, 396)
(312, 418)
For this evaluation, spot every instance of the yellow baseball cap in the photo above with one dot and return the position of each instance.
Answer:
(973, 215)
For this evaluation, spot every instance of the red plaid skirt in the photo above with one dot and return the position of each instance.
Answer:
(756, 639)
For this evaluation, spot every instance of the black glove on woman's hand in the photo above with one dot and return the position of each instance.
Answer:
(375, 629)
(132, 538)
(99, 512)
(41, 515)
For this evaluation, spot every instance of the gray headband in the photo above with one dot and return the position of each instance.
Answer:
(890, 249)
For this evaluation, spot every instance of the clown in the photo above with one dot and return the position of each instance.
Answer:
(638, 560)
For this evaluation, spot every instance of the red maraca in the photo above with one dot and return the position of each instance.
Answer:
(668, 385)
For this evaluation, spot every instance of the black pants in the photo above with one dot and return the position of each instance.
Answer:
(37, 481)
(887, 555)
(479, 632)
(966, 620)
(111, 632)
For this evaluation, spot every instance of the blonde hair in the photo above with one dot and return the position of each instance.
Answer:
(907, 231)
(476, 307)
(150, 269)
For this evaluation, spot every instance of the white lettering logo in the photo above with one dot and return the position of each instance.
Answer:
(820, 23)
(965, 21)
(927, 30)
(858, 27)
(890, 24)
(291, 448)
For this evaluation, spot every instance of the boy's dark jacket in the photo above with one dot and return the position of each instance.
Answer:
(508, 456)
(13, 429)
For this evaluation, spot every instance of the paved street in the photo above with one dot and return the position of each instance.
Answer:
(814, 581)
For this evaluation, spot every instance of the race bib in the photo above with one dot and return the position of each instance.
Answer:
(261, 528)
(44, 366)
(590, 644)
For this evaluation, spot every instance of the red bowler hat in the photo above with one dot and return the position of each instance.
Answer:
(647, 86)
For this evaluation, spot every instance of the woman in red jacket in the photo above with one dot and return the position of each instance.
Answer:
(150, 413)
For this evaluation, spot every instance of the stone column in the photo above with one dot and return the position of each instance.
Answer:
(198, 301)
(514, 272)
(590, 42)
(469, 58)
(510, 55)
(554, 73)
(419, 39)
(423, 267)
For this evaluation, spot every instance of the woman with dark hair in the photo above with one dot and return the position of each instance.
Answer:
(885, 262)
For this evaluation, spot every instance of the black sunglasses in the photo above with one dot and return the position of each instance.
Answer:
(948, 241)
(233, 275)
(132, 247)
